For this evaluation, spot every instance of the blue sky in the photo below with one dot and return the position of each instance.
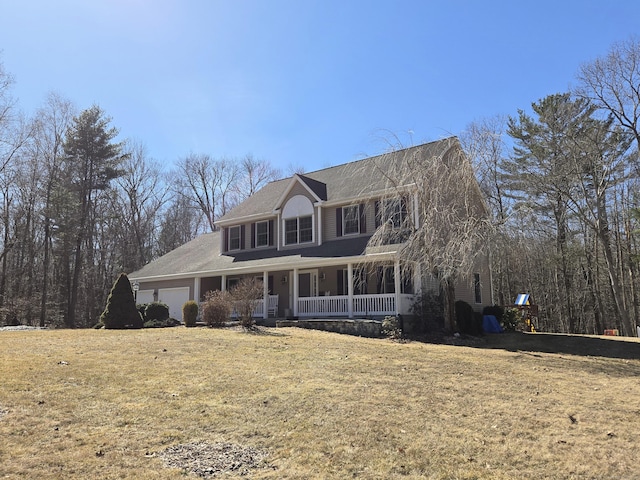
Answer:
(301, 82)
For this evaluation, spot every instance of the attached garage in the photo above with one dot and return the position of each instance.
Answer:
(174, 298)
(144, 296)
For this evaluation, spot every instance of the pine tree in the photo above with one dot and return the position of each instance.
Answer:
(121, 311)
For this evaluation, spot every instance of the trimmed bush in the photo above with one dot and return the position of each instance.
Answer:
(121, 311)
(190, 313)
(216, 308)
(156, 311)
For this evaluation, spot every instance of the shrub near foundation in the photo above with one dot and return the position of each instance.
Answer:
(121, 311)
(216, 308)
(190, 313)
(156, 311)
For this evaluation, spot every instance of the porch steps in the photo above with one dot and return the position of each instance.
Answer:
(350, 326)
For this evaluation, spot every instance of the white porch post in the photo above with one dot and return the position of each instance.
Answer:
(320, 225)
(223, 283)
(196, 289)
(396, 281)
(417, 279)
(265, 293)
(295, 292)
(350, 288)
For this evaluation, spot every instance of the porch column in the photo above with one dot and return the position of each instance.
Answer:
(350, 288)
(223, 283)
(396, 281)
(320, 225)
(196, 289)
(265, 293)
(295, 292)
(417, 279)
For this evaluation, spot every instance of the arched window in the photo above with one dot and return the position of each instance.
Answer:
(298, 219)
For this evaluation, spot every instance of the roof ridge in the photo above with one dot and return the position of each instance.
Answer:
(366, 158)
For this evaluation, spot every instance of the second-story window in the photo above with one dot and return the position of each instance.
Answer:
(262, 234)
(298, 230)
(392, 211)
(234, 238)
(351, 220)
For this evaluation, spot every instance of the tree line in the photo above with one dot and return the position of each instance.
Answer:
(562, 184)
(78, 206)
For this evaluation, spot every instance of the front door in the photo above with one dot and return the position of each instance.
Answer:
(308, 283)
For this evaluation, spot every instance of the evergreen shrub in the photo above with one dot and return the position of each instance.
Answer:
(121, 311)
(156, 311)
(468, 322)
(190, 313)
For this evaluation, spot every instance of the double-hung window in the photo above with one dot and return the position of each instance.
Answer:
(234, 238)
(351, 219)
(298, 230)
(395, 211)
(262, 234)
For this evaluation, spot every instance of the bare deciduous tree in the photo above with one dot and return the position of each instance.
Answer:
(447, 225)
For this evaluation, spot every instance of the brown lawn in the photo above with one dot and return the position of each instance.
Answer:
(107, 404)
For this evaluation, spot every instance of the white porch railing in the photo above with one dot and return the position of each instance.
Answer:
(327, 306)
(363, 305)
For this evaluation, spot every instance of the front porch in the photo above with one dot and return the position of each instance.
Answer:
(328, 291)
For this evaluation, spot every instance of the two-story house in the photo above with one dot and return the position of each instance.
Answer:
(306, 238)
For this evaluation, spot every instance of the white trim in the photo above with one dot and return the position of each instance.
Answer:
(350, 289)
(196, 289)
(397, 284)
(256, 217)
(319, 225)
(265, 294)
(294, 295)
(295, 179)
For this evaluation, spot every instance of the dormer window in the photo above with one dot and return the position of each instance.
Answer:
(298, 219)
(298, 230)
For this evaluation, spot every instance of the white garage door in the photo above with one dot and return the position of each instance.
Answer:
(174, 298)
(144, 296)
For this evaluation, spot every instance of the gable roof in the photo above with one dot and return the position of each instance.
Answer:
(341, 183)
(201, 256)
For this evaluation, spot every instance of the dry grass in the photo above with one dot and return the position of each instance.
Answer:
(102, 404)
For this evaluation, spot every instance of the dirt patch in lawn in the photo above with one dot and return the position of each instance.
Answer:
(213, 459)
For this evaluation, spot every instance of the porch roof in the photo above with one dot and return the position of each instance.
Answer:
(201, 257)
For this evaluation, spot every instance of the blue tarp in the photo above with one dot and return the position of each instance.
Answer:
(490, 324)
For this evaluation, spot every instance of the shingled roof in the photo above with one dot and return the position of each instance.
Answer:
(343, 182)
(202, 256)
